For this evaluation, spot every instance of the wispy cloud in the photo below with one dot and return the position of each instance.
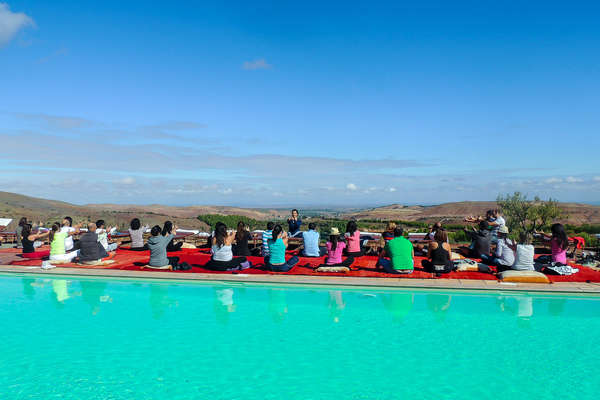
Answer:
(572, 179)
(58, 53)
(55, 121)
(260, 63)
(351, 186)
(11, 23)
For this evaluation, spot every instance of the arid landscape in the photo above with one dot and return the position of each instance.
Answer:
(14, 206)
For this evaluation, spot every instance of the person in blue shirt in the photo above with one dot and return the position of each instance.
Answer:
(311, 239)
(294, 224)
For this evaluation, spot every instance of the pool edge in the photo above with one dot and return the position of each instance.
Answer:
(310, 280)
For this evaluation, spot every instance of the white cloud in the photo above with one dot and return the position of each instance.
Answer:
(227, 191)
(572, 179)
(126, 181)
(11, 23)
(553, 180)
(597, 178)
(392, 189)
(351, 186)
(256, 64)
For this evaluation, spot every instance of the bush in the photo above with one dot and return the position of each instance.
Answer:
(231, 221)
(458, 237)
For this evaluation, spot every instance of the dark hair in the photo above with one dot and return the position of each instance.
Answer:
(440, 236)
(220, 233)
(23, 221)
(296, 211)
(270, 226)
(524, 238)
(167, 228)
(351, 227)
(99, 223)
(484, 226)
(558, 233)
(398, 231)
(70, 220)
(55, 228)
(334, 241)
(312, 226)
(489, 213)
(135, 224)
(277, 229)
(241, 231)
(26, 230)
(155, 231)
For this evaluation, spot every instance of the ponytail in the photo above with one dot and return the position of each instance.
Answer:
(55, 228)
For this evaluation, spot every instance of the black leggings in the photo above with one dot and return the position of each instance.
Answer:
(143, 248)
(234, 263)
(346, 263)
(174, 247)
(355, 253)
(429, 267)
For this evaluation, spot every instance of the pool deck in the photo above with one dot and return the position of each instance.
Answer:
(306, 280)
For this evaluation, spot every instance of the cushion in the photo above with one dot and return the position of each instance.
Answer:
(36, 255)
(188, 246)
(98, 262)
(168, 267)
(523, 277)
(332, 269)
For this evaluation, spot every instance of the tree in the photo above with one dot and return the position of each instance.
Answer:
(523, 215)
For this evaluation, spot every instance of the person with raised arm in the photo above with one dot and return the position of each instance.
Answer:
(294, 224)
(57, 239)
(30, 240)
(277, 245)
(222, 253)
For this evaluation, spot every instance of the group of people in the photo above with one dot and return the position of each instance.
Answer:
(230, 249)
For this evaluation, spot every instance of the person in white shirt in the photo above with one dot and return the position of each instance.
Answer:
(102, 233)
(504, 256)
(67, 227)
(524, 253)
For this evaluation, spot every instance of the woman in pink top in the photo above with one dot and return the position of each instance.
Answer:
(335, 248)
(352, 236)
(559, 242)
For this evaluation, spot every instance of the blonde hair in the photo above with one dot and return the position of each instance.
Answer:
(390, 226)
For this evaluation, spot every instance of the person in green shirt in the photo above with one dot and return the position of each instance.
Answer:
(400, 252)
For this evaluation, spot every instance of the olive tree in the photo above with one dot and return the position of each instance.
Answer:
(523, 215)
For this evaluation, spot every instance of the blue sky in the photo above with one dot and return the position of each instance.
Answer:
(256, 104)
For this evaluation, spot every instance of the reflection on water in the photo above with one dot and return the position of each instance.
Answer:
(61, 293)
(282, 304)
(336, 305)
(518, 305)
(160, 300)
(224, 304)
(278, 307)
(439, 304)
(92, 293)
(28, 289)
(398, 304)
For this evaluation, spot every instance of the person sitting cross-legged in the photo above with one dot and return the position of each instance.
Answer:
(90, 249)
(157, 243)
(504, 256)
(335, 249)
(276, 260)
(311, 239)
(439, 260)
(222, 253)
(400, 252)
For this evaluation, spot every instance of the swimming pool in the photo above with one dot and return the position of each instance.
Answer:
(109, 339)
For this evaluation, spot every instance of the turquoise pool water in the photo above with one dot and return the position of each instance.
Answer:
(108, 339)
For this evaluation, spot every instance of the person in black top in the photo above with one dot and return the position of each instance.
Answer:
(90, 250)
(29, 240)
(480, 240)
(439, 260)
(168, 230)
(240, 248)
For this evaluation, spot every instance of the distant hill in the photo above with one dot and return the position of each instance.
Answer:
(575, 213)
(15, 206)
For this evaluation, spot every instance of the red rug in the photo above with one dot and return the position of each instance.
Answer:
(133, 260)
